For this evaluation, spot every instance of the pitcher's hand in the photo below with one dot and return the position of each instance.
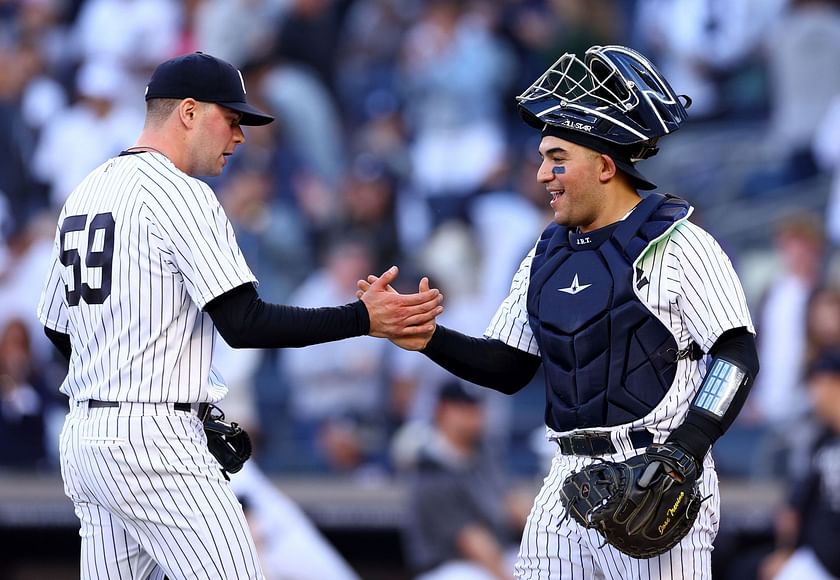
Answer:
(414, 331)
(400, 316)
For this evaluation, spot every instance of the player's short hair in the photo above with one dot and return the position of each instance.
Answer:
(158, 110)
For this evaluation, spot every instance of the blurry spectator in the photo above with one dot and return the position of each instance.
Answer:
(27, 259)
(218, 26)
(134, 34)
(581, 24)
(369, 208)
(22, 269)
(289, 545)
(826, 149)
(26, 100)
(309, 119)
(96, 127)
(454, 73)
(773, 427)
(804, 79)
(337, 389)
(822, 326)
(803, 73)
(308, 35)
(21, 406)
(462, 521)
(776, 399)
(455, 262)
(270, 231)
(367, 57)
(42, 96)
(41, 24)
(697, 44)
(808, 527)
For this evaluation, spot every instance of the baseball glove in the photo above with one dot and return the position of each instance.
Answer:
(228, 442)
(642, 506)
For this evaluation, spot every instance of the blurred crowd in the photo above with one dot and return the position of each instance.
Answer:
(397, 142)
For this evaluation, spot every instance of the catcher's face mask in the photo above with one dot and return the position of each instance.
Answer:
(614, 93)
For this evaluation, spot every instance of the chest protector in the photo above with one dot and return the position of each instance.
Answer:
(607, 359)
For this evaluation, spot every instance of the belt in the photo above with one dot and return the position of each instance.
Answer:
(599, 443)
(96, 403)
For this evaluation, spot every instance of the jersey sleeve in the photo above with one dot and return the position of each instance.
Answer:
(204, 249)
(710, 296)
(510, 323)
(52, 307)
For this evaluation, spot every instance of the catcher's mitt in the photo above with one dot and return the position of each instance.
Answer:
(642, 506)
(228, 442)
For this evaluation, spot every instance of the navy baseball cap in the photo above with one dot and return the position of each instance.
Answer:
(207, 79)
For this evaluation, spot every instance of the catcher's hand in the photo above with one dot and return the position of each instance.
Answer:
(228, 442)
(642, 506)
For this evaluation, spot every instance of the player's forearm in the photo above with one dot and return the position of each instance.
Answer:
(245, 321)
(483, 361)
(702, 428)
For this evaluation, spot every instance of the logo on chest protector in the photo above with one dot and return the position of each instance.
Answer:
(576, 287)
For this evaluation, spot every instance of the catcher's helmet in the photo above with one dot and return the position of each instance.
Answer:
(614, 93)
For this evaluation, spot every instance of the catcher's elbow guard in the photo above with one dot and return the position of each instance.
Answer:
(723, 383)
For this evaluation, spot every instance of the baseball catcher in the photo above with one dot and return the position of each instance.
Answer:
(642, 506)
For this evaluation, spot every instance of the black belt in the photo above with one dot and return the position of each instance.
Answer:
(96, 403)
(599, 443)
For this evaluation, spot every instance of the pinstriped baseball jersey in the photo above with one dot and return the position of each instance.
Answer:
(140, 248)
(686, 281)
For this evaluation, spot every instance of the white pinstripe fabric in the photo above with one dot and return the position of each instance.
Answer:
(174, 250)
(148, 492)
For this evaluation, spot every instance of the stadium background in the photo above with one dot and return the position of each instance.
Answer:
(397, 141)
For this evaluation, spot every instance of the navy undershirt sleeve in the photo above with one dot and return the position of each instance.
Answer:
(246, 321)
(60, 340)
(484, 361)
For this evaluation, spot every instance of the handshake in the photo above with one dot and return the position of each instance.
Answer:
(408, 320)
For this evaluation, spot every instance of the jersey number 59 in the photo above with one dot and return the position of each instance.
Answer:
(94, 258)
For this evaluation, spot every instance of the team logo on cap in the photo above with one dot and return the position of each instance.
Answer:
(241, 80)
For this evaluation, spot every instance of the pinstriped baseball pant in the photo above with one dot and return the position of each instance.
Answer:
(150, 497)
(555, 547)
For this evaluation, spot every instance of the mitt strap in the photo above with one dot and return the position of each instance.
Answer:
(599, 443)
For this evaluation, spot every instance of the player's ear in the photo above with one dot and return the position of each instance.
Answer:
(187, 110)
(607, 168)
